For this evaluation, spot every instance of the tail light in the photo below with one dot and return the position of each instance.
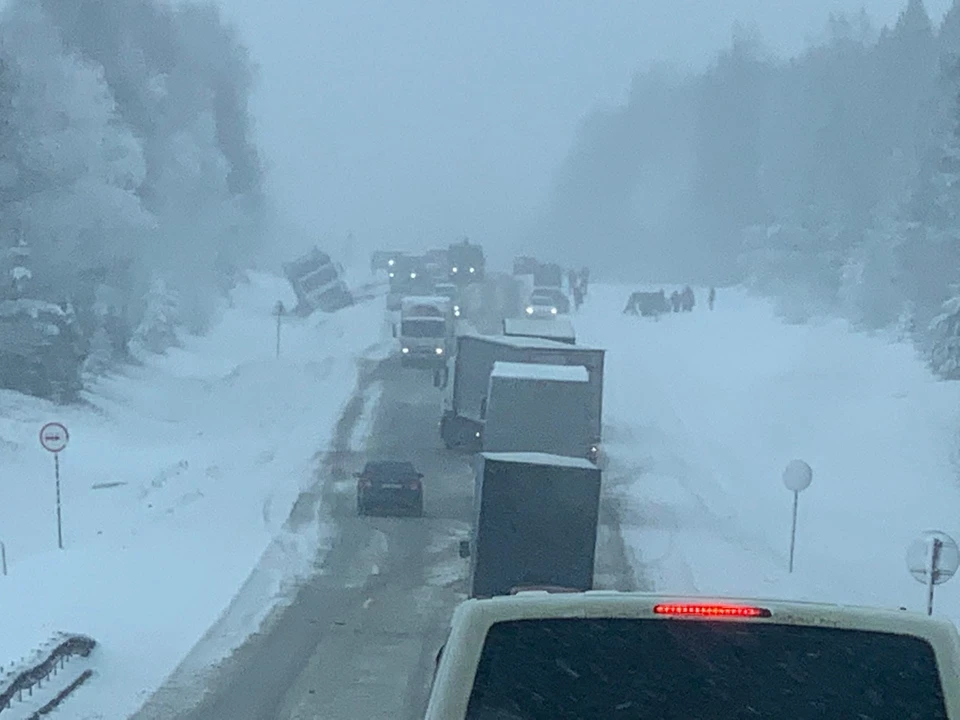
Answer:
(711, 610)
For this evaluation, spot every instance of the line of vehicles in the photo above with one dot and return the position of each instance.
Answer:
(536, 640)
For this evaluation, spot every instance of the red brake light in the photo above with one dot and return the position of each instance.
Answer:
(712, 610)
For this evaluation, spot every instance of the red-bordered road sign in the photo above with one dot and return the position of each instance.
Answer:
(54, 437)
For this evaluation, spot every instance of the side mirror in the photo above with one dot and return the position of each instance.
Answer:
(464, 548)
(419, 476)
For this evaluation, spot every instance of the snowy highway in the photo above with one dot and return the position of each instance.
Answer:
(360, 638)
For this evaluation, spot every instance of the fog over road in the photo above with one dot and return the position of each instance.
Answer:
(360, 637)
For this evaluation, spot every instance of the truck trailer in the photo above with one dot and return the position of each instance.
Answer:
(532, 407)
(426, 331)
(535, 523)
(316, 281)
(462, 423)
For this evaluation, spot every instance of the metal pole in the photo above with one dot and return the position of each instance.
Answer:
(3, 557)
(278, 332)
(932, 563)
(793, 529)
(56, 471)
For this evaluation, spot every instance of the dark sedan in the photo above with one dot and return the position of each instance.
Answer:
(389, 486)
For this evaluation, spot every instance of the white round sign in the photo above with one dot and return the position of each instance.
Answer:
(54, 437)
(797, 476)
(918, 557)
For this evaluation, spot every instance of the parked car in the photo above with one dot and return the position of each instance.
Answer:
(389, 486)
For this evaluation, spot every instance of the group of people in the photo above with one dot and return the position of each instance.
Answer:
(655, 303)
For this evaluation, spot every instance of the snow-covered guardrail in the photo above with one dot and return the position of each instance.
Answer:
(47, 661)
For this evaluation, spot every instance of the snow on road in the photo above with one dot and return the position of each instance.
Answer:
(705, 409)
(178, 477)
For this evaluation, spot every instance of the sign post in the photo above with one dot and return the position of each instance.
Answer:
(797, 478)
(279, 310)
(54, 438)
(933, 559)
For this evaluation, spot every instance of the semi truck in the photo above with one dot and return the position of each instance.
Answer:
(426, 331)
(535, 523)
(532, 407)
(461, 423)
(548, 275)
(466, 262)
(317, 283)
(408, 276)
(557, 329)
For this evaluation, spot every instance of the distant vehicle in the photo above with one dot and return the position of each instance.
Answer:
(545, 305)
(383, 260)
(408, 276)
(548, 275)
(577, 655)
(451, 292)
(389, 485)
(317, 283)
(525, 265)
(556, 295)
(426, 332)
(467, 262)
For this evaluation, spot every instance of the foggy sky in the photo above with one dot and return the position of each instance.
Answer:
(421, 121)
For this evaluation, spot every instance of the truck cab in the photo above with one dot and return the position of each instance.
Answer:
(606, 654)
(466, 262)
(425, 331)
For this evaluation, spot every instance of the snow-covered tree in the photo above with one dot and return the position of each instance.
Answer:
(945, 340)
(157, 330)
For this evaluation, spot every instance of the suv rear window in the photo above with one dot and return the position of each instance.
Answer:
(695, 670)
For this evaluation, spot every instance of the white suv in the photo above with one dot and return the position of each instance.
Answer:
(605, 655)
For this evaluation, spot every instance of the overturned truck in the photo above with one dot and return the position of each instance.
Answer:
(317, 282)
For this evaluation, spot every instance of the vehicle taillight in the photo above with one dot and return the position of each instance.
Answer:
(712, 610)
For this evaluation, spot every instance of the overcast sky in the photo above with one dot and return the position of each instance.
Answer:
(423, 120)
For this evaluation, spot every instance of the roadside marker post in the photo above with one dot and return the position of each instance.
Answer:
(933, 559)
(279, 309)
(796, 477)
(54, 438)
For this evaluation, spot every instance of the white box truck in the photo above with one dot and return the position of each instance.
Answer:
(426, 331)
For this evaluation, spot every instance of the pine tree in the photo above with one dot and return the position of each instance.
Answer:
(945, 349)
(157, 330)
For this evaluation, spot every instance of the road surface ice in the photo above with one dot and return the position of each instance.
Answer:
(704, 410)
(177, 481)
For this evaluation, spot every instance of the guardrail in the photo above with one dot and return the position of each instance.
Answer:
(49, 662)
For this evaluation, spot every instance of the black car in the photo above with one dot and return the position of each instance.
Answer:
(389, 485)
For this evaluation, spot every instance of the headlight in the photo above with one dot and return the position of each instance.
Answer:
(553, 311)
(471, 269)
(478, 433)
(456, 312)
(439, 351)
(405, 350)
(412, 275)
(454, 268)
(529, 310)
(391, 274)
(390, 263)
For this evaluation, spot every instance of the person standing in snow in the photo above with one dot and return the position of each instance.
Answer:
(675, 301)
(712, 297)
(688, 299)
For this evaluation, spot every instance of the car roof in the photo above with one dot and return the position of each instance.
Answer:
(389, 466)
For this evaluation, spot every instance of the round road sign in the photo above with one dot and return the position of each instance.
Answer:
(918, 557)
(54, 437)
(797, 476)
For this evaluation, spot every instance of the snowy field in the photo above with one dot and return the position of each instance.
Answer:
(176, 484)
(704, 410)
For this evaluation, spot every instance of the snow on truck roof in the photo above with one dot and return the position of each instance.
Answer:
(523, 341)
(425, 300)
(536, 327)
(534, 458)
(539, 371)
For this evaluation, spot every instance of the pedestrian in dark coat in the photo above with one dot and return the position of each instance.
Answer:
(675, 301)
(712, 297)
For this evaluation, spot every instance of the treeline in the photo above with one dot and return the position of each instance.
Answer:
(130, 185)
(830, 181)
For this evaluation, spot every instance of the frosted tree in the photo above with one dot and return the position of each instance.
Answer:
(157, 329)
(945, 339)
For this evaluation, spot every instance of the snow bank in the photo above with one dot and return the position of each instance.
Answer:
(177, 477)
(704, 410)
